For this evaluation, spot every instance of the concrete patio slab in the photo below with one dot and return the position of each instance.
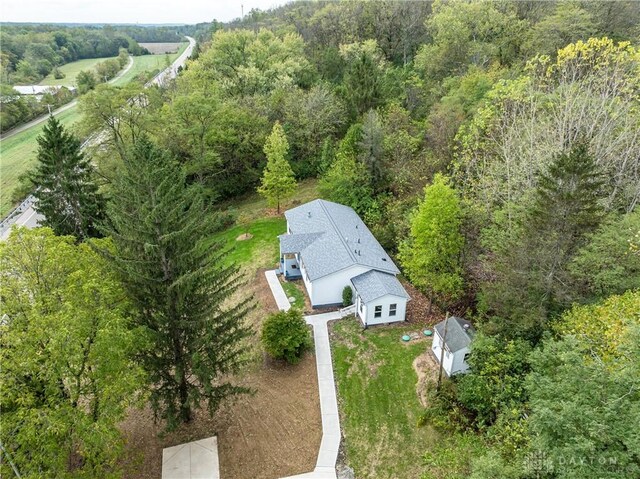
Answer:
(193, 460)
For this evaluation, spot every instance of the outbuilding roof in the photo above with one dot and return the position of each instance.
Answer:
(375, 284)
(341, 240)
(460, 332)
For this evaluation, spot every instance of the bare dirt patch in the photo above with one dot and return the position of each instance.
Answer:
(160, 48)
(418, 308)
(244, 237)
(426, 368)
(272, 433)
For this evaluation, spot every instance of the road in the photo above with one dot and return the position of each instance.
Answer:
(66, 107)
(24, 214)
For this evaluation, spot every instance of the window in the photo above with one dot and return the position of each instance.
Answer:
(378, 312)
(361, 306)
(392, 309)
(293, 266)
(466, 356)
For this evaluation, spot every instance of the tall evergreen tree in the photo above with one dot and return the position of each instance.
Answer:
(187, 296)
(371, 149)
(278, 181)
(66, 193)
(531, 268)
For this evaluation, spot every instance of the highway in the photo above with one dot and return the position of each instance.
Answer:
(24, 214)
(69, 105)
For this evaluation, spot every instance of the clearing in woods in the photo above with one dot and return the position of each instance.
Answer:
(273, 433)
(158, 48)
(71, 71)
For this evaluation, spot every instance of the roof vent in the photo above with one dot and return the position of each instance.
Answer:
(384, 259)
(358, 252)
(309, 214)
(358, 240)
(466, 326)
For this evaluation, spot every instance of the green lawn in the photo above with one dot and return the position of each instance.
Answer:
(147, 63)
(379, 406)
(259, 251)
(379, 409)
(71, 71)
(18, 154)
(253, 206)
(293, 289)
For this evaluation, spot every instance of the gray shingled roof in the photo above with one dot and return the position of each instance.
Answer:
(345, 241)
(375, 284)
(295, 243)
(458, 337)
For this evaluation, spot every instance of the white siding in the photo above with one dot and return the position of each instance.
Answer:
(453, 363)
(385, 302)
(328, 289)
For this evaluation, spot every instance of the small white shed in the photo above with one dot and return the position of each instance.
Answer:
(379, 298)
(458, 334)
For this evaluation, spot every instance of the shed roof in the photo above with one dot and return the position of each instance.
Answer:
(460, 332)
(341, 240)
(375, 284)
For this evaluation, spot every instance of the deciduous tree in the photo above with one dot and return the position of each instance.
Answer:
(67, 350)
(431, 255)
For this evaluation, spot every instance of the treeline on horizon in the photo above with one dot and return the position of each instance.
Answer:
(491, 146)
(29, 52)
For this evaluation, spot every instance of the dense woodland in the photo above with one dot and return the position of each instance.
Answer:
(491, 146)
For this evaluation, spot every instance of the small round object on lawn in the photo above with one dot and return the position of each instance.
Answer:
(427, 332)
(406, 338)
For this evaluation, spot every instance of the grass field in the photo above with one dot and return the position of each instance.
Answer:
(71, 71)
(147, 63)
(379, 407)
(18, 153)
(159, 48)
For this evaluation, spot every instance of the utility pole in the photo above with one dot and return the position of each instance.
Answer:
(241, 12)
(442, 346)
(49, 108)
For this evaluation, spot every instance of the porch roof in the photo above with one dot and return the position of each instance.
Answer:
(294, 243)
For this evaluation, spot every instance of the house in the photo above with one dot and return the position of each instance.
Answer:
(458, 334)
(39, 90)
(329, 247)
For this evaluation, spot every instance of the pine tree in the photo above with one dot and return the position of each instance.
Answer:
(531, 267)
(347, 180)
(371, 150)
(67, 196)
(186, 294)
(278, 181)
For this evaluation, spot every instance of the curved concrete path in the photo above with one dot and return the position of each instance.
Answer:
(328, 453)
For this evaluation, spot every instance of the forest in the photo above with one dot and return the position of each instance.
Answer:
(491, 146)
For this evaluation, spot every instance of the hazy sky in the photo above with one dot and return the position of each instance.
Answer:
(127, 11)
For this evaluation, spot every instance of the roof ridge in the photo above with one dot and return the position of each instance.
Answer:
(335, 228)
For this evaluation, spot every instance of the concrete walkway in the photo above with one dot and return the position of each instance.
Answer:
(276, 289)
(328, 453)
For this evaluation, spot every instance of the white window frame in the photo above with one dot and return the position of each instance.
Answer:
(377, 311)
(393, 309)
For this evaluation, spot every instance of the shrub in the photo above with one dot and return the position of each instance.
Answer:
(58, 74)
(285, 335)
(347, 296)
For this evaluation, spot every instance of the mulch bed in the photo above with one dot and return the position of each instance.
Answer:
(418, 307)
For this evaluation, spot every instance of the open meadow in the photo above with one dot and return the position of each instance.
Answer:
(18, 153)
(159, 48)
(71, 71)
